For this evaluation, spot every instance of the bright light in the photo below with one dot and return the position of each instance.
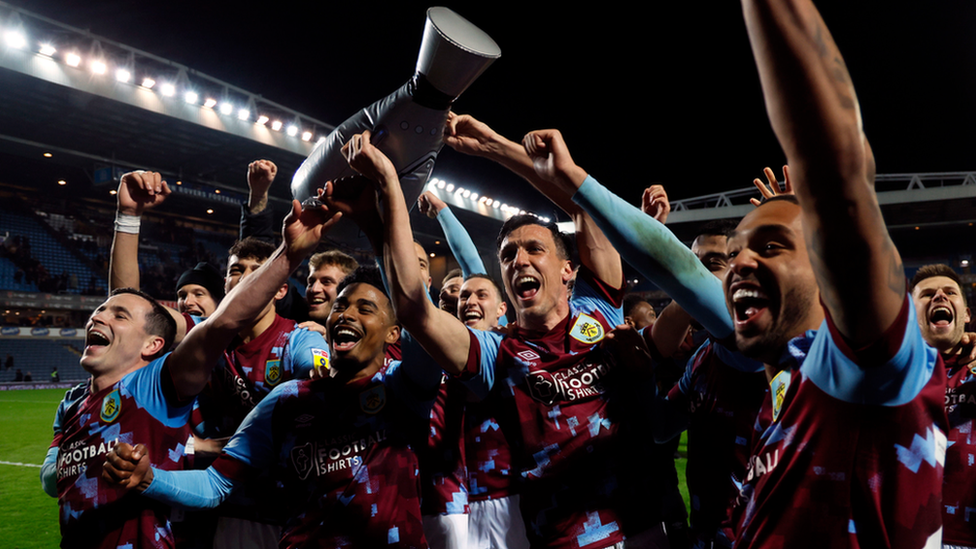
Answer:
(191, 97)
(98, 67)
(432, 182)
(48, 155)
(459, 190)
(209, 210)
(496, 205)
(48, 50)
(62, 182)
(16, 40)
(306, 136)
(209, 103)
(474, 196)
(276, 125)
(112, 192)
(441, 184)
(72, 59)
(964, 263)
(546, 219)
(432, 254)
(148, 83)
(123, 75)
(489, 202)
(292, 131)
(320, 140)
(466, 193)
(226, 108)
(243, 114)
(450, 187)
(168, 90)
(262, 120)
(216, 191)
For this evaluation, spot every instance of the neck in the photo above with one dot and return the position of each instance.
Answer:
(544, 323)
(100, 382)
(369, 370)
(263, 322)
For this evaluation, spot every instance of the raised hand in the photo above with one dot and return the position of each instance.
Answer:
(260, 175)
(655, 203)
(430, 205)
(303, 228)
(366, 159)
(466, 134)
(552, 161)
(773, 189)
(139, 191)
(127, 467)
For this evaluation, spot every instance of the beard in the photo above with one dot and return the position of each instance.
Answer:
(769, 346)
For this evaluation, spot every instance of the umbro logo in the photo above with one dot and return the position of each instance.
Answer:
(528, 355)
(304, 418)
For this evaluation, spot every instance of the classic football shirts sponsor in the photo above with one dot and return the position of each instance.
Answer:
(959, 490)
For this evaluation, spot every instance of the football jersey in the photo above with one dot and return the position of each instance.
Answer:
(442, 461)
(722, 393)
(344, 455)
(959, 491)
(486, 452)
(584, 469)
(134, 410)
(855, 452)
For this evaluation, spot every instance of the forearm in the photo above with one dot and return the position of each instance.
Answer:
(123, 269)
(189, 489)
(460, 243)
(406, 286)
(669, 330)
(657, 254)
(512, 155)
(257, 223)
(49, 469)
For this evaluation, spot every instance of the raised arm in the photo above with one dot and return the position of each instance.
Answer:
(443, 336)
(191, 362)
(457, 237)
(544, 161)
(814, 111)
(256, 218)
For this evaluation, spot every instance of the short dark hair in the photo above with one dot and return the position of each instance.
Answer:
(344, 262)
(501, 294)
(367, 274)
(791, 198)
(453, 273)
(717, 227)
(563, 245)
(251, 248)
(631, 301)
(938, 269)
(158, 320)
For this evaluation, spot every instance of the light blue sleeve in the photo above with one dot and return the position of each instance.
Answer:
(189, 489)
(482, 378)
(253, 442)
(145, 385)
(49, 469)
(588, 300)
(460, 243)
(300, 354)
(894, 383)
(657, 254)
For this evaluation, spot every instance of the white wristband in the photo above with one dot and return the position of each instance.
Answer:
(128, 224)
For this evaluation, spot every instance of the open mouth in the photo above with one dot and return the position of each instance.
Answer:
(315, 301)
(749, 303)
(345, 338)
(941, 316)
(526, 287)
(472, 316)
(96, 339)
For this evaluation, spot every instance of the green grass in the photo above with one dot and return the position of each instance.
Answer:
(29, 516)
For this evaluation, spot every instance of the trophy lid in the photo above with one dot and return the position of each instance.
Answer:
(454, 52)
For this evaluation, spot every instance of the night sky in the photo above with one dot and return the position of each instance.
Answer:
(663, 93)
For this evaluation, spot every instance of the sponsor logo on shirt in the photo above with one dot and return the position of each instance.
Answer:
(323, 459)
(760, 465)
(586, 329)
(272, 372)
(321, 358)
(111, 406)
(578, 383)
(373, 399)
(73, 460)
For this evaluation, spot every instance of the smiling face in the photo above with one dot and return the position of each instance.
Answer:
(320, 291)
(360, 326)
(941, 310)
(448, 298)
(770, 286)
(196, 300)
(115, 336)
(424, 263)
(479, 304)
(535, 276)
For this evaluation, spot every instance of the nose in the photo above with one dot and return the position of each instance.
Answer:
(521, 257)
(940, 296)
(743, 263)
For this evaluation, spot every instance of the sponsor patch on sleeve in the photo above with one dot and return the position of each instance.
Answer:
(321, 358)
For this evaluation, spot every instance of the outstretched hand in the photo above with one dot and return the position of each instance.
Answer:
(430, 205)
(773, 189)
(139, 191)
(303, 228)
(128, 467)
(552, 161)
(655, 203)
(466, 134)
(368, 160)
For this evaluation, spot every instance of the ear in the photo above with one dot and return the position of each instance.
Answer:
(968, 317)
(502, 309)
(629, 321)
(282, 292)
(393, 335)
(154, 344)
(567, 272)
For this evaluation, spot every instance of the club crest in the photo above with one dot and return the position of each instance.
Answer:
(373, 399)
(586, 329)
(111, 406)
(272, 372)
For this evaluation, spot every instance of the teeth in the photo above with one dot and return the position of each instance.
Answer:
(317, 301)
(472, 315)
(747, 293)
(350, 333)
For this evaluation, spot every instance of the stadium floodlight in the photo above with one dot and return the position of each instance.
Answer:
(148, 83)
(47, 50)
(450, 187)
(16, 39)
(459, 191)
(62, 182)
(276, 125)
(123, 75)
(243, 114)
(226, 108)
(167, 89)
(441, 184)
(262, 120)
(72, 59)
(321, 139)
(292, 131)
(306, 136)
(98, 67)
(474, 196)
(466, 193)
(191, 97)
(496, 205)
(209, 103)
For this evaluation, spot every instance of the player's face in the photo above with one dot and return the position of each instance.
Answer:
(479, 304)
(238, 268)
(535, 276)
(424, 263)
(320, 291)
(642, 316)
(196, 300)
(115, 335)
(360, 326)
(712, 251)
(770, 287)
(448, 299)
(941, 310)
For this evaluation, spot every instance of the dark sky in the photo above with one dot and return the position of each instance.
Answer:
(661, 93)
